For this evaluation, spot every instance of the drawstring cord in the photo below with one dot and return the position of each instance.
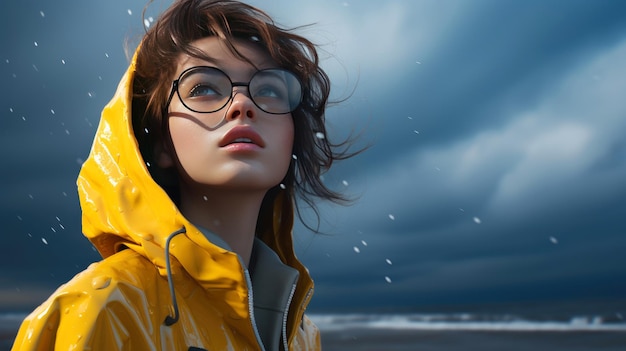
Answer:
(169, 320)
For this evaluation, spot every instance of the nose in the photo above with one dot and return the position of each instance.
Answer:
(241, 105)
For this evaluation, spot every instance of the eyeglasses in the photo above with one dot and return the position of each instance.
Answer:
(206, 89)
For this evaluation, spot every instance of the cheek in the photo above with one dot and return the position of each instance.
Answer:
(186, 136)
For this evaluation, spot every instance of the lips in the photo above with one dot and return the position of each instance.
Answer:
(241, 135)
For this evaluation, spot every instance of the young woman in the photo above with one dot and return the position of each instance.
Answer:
(188, 193)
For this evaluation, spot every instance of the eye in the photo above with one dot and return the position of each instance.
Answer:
(202, 90)
(270, 91)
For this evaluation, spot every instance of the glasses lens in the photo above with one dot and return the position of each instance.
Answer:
(275, 91)
(204, 89)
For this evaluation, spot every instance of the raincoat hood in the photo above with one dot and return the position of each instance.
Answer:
(123, 299)
(123, 207)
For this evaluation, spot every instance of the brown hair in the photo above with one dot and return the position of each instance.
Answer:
(188, 20)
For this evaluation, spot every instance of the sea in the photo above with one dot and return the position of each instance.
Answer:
(573, 326)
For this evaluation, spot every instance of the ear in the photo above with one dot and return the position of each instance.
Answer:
(162, 156)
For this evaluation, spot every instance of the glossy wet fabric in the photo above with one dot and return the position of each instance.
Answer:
(121, 302)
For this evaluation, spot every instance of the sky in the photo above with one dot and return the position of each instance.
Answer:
(496, 167)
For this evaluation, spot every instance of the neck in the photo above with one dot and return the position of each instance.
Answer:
(230, 214)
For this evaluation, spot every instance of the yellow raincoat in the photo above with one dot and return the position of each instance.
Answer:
(123, 302)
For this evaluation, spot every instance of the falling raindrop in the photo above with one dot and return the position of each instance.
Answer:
(146, 130)
(418, 62)
(53, 230)
(148, 164)
(52, 111)
(294, 156)
(410, 117)
(205, 198)
(31, 196)
(42, 14)
(462, 210)
(62, 61)
(554, 240)
(19, 217)
(345, 183)
(130, 12)
(437, 169)
(320, 135)
(106, 55)
(90, 94)
(364, 242)
(356, 249)
(283, 186)
(416, 132)
(388, 261)
(61, 226)
(387, 279)
(146, 23)
(64, 194)
(392, 217)
(36, 44)
(477, 220)
(67, 132)
(44, 241)
(35, 68)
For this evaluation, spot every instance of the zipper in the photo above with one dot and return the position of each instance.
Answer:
(285, 315)
(251, 307)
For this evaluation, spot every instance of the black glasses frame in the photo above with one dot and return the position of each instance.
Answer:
(175, 84)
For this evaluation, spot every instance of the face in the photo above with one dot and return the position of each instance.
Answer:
(249, 149)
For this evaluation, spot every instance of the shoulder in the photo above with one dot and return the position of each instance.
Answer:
(110, 296)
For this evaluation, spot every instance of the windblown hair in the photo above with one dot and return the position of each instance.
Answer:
(189, 20)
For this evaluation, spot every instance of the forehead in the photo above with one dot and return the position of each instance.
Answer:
(216, 53)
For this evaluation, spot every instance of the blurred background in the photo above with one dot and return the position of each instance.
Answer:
(496, 175)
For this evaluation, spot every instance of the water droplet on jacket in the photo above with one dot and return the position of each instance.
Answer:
(66, 310)
(147, 237)
(100, 282)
